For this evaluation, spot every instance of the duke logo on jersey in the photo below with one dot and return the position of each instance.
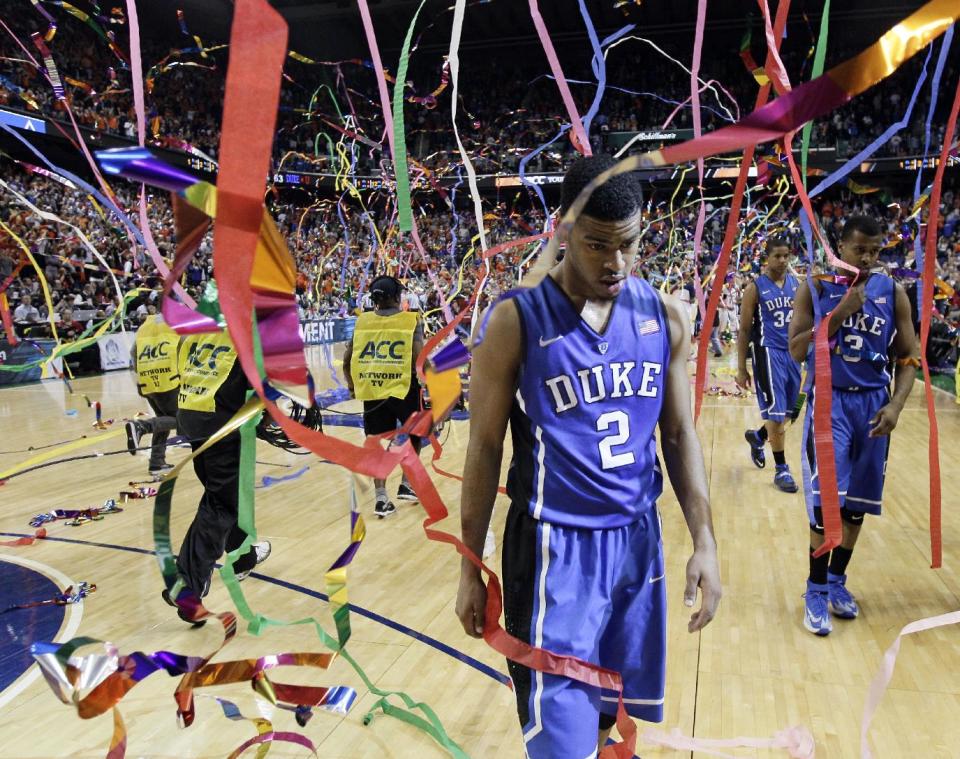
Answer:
(586, 408)
(860, 358)
(774, 311)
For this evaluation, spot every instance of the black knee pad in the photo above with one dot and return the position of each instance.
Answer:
(607, 721)
(817, 525)
(851, 517)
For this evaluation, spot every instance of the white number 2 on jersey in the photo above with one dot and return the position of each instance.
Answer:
(609, 459)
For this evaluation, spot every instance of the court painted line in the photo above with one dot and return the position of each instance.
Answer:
(371, 615)
(67, 631)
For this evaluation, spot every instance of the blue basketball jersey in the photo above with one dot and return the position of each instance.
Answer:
(861, 356)
(584, 416)
(771, 322)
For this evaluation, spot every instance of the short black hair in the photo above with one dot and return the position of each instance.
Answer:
(616, 199)
(866, 225)
(385, 289)
(776, 241)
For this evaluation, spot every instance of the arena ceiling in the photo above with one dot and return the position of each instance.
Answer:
(331, 29)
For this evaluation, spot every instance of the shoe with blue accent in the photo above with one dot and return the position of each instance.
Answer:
(816, 615)
(842, 602)
(756, 448)
(784, 480)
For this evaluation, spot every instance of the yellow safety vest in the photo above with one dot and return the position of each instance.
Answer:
(382, 355)
(205, 363)
(156, 347)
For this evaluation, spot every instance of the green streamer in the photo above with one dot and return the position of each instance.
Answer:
(819, 57)
(404, 201)
(258, 623)
(85, 339)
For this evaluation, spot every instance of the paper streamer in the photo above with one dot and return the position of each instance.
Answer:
(733, 222)
(267, 481)
(930, 260)
(579, 136)
(881, 680)
(399, 143)
(453, 58)
(55, 452)
(819, 58)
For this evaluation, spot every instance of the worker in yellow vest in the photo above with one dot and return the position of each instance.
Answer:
(378, 365)
(154, 357)
(213, 387)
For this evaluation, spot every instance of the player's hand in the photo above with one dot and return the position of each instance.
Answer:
(703, 572)
(743, 379)
(856, 297)
(471, 603)
(884, 421)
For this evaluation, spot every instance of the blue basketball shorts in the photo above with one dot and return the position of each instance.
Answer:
(861, 460)
(776, 377)
(598, 595)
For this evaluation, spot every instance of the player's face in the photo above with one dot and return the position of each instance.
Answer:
(861, 250)
(601, 254)
(777, 260)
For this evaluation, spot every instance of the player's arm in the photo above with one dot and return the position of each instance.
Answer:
(347, 358)
(748, 306)
(493, 380)
(904, 349)
(684, 462)
(801, 326)
(417, 346)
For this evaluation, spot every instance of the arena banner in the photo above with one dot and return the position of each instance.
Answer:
(115, 350)
(616, 140)
(324, 331)
(26, 352)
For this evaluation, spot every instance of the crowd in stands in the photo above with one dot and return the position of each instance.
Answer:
(340, 246)
(501, 118)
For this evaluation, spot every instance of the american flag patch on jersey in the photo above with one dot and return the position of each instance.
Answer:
(648, 327)
(881, 300)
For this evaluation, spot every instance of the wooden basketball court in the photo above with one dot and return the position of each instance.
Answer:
(752, 672)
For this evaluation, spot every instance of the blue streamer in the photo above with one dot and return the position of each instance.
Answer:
(934, 93)
(80, 183)
(874, 146)
(268, 481)
(599, 64)
(526, 159)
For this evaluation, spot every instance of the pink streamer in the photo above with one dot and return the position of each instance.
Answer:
(136, 77)
(697, 134)
(388, 121)
(796, 740)
(580, 141)
(675, 111)
(882, 679)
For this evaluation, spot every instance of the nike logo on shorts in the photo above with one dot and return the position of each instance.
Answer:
(652, 580)
(545, 343)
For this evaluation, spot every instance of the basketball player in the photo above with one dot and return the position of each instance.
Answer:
(382, 373)
(585, 366)
(158, 381)
(213, 387)
(867, 329)
(765, 312)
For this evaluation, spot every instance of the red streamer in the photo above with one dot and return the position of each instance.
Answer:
(926, 300)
